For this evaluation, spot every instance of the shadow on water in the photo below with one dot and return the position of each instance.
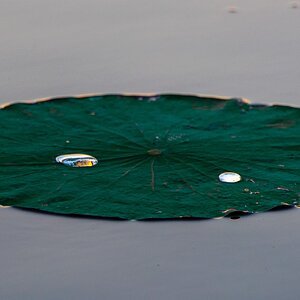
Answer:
(71, 216)
(235, 215)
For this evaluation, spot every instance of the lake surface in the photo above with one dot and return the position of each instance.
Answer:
(51, 48)
(54, 48)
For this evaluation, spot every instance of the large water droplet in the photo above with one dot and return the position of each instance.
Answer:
(230, 177)
(77, 160)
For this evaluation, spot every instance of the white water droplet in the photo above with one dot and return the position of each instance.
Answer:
(151, 99)
(230, 177)
(77, 160)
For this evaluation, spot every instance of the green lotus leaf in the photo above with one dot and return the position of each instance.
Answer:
(158, 156)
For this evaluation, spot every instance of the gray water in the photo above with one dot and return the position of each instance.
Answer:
(51, 48)
(68, 47)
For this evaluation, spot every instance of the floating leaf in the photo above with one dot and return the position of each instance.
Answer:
(160, 156)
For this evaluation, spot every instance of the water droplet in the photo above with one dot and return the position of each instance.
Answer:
(77, 160)
(251, 180)
(230, 177)
(282, 188)
(151, 99)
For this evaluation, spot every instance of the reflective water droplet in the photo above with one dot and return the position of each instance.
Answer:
(77, 160)
(230, 177)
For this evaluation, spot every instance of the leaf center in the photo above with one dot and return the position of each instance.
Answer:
(154, 152)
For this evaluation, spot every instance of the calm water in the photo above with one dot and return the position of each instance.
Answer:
(67, 47)
(56, 47)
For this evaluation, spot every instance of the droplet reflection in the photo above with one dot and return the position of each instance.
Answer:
(77, 160)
